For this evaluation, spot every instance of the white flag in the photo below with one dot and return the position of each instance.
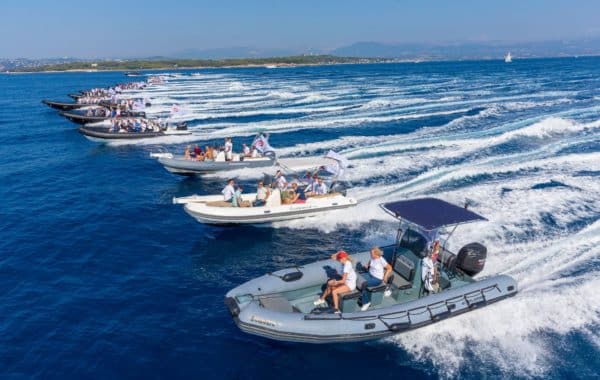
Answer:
(341, 163)
(261, 142)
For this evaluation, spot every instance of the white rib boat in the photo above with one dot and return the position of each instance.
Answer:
(211, 209)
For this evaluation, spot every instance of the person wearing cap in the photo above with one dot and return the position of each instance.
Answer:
(346, 284)
(378, 272)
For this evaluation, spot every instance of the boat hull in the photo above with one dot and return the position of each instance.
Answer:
(251, 316)
(200, 209)
(103, 135)
(83, 119)
(190, 167)
(64, 106)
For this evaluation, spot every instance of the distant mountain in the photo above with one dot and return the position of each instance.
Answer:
(470, 50)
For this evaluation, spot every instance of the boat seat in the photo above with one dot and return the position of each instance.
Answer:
(376, 291)
(274, 199)
(348, 301)
(404, 273)
(277, 303)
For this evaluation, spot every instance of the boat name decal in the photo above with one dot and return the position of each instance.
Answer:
(261, 321)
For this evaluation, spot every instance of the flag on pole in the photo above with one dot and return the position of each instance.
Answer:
(261, 142)
(341, 163)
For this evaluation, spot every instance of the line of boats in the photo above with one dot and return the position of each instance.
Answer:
(427, 283)
(108, 114)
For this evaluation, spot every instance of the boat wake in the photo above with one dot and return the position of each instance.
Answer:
(528, 159)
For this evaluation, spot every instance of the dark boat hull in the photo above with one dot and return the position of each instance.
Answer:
(83, 119)
(65, 106)
(103, 134)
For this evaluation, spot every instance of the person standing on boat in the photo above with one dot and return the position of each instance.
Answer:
(186, 154)
(280, 181)
(228, 191)
(228, 149)
(335, 287)
(428, 271)
(378, 273)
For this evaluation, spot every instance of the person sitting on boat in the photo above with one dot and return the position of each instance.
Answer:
(298, 194)
(228, 149)
(318, 188)
(246, 150)
(378, 272)
(312, 181)
(228, 191)
(428, 272)
(237, 200)
(199, 154)
(208, 153)
(346, 283)
(280, 181)
(262, 194)
(254, 153)
(186, 154)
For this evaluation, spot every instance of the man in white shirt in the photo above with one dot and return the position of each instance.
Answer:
(320, 188)
(228, 149)
(378, 273)
(280, 181)
(228, 191)
(428, 274)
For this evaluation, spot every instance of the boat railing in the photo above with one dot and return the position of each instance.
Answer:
(473, 299)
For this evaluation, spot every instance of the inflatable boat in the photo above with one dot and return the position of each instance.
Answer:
(179, 165)
(79, 118)
(63, 105)
(105, 134)
(211, 209)
(280, 305)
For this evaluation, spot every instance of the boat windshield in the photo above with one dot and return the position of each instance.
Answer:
(414, 242)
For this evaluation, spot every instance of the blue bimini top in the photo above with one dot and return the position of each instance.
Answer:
(430, 213)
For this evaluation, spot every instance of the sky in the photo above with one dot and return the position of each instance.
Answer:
(132, 28)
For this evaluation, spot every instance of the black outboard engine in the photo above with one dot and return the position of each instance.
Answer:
(471, 258)
(339, 187)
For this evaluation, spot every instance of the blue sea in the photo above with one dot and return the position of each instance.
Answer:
(102, 277)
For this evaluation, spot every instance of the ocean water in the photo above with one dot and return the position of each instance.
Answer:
(101, 277)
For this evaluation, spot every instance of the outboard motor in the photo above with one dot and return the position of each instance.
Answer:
(339, 187)
(471, 258)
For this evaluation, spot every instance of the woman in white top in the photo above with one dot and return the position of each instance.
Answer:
(346, 284)
(378, 273)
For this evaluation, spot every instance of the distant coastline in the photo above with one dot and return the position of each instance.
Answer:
(165, 64)
(274, 62)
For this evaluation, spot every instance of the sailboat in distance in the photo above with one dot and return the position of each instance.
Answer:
(508, 58)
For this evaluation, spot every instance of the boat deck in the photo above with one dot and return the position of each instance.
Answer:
(302, 300)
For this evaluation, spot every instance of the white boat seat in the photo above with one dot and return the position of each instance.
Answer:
(274, 199)
(404, 272)
(277, 303)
